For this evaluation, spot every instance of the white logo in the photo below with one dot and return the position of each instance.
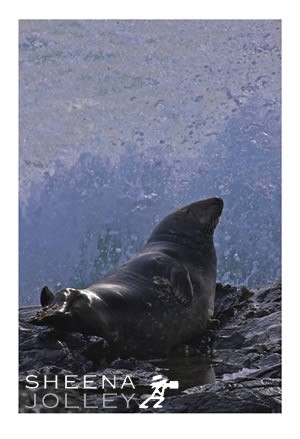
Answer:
(159, 385)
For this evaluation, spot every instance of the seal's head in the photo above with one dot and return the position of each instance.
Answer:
(206, 213)
(196, 219)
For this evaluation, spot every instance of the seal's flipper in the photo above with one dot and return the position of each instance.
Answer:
(181, 284)
(52, 317)
(47, 297)
(58, 311)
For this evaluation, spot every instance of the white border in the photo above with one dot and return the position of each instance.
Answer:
(156, 9)
(213, 425)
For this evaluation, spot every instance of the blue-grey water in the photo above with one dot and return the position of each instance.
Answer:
(123, 121)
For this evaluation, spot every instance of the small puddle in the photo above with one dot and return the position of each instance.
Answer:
(189, 371)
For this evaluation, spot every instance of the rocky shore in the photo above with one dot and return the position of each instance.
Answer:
(235, 367)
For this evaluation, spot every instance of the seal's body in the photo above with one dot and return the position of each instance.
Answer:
(155, 301)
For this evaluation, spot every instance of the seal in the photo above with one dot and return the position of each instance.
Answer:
(157, 300)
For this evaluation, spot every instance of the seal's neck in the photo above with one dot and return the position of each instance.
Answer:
(193, 242)
(197, 254)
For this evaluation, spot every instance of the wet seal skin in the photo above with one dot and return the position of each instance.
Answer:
(157, 300)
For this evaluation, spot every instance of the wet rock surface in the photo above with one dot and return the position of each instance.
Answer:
(235, 367)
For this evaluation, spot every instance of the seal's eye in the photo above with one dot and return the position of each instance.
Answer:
(186, 211)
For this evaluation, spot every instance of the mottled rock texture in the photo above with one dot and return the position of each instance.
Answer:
(243, 346)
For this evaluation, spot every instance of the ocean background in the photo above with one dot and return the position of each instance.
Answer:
(123, 121)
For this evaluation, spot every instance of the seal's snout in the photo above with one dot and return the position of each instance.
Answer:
(207, 212)
(218, 203)
(211, 206)
(215, 201)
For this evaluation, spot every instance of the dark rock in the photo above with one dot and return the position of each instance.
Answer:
(234, 340)
(241, 349)
(245, 396)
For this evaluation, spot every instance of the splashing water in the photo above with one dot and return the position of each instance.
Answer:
(123, 122)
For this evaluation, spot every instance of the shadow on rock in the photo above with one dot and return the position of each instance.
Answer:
(242, 348)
